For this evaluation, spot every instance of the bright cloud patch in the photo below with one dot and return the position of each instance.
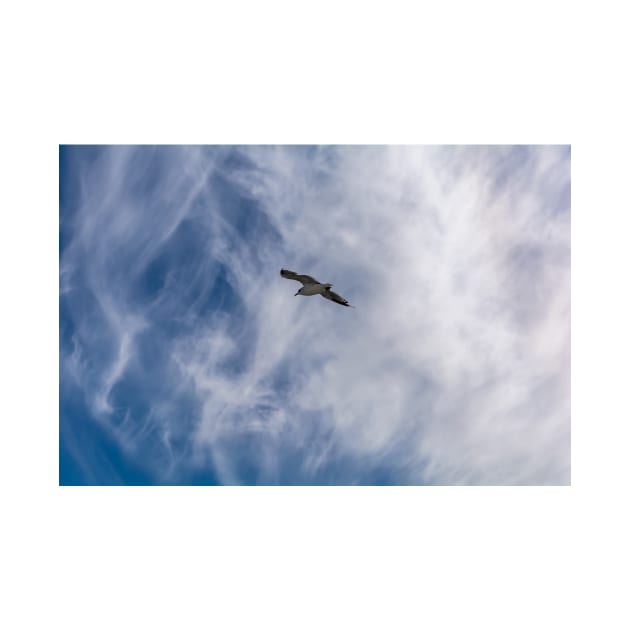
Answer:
(185, 357)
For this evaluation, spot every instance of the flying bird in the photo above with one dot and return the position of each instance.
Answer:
(314, 287)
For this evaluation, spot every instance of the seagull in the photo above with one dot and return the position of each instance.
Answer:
(313, 287)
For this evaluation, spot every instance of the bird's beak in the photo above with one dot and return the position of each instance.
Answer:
(298, 293)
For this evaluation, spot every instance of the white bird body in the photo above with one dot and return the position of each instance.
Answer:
(313, 289)
(310, 286)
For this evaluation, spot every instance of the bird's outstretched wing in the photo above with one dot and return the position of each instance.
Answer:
(291, 275)
(335, 297)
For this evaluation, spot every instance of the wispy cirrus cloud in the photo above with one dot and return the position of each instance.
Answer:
(191, 352)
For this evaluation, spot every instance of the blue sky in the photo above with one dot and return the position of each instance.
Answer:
(186, 359)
